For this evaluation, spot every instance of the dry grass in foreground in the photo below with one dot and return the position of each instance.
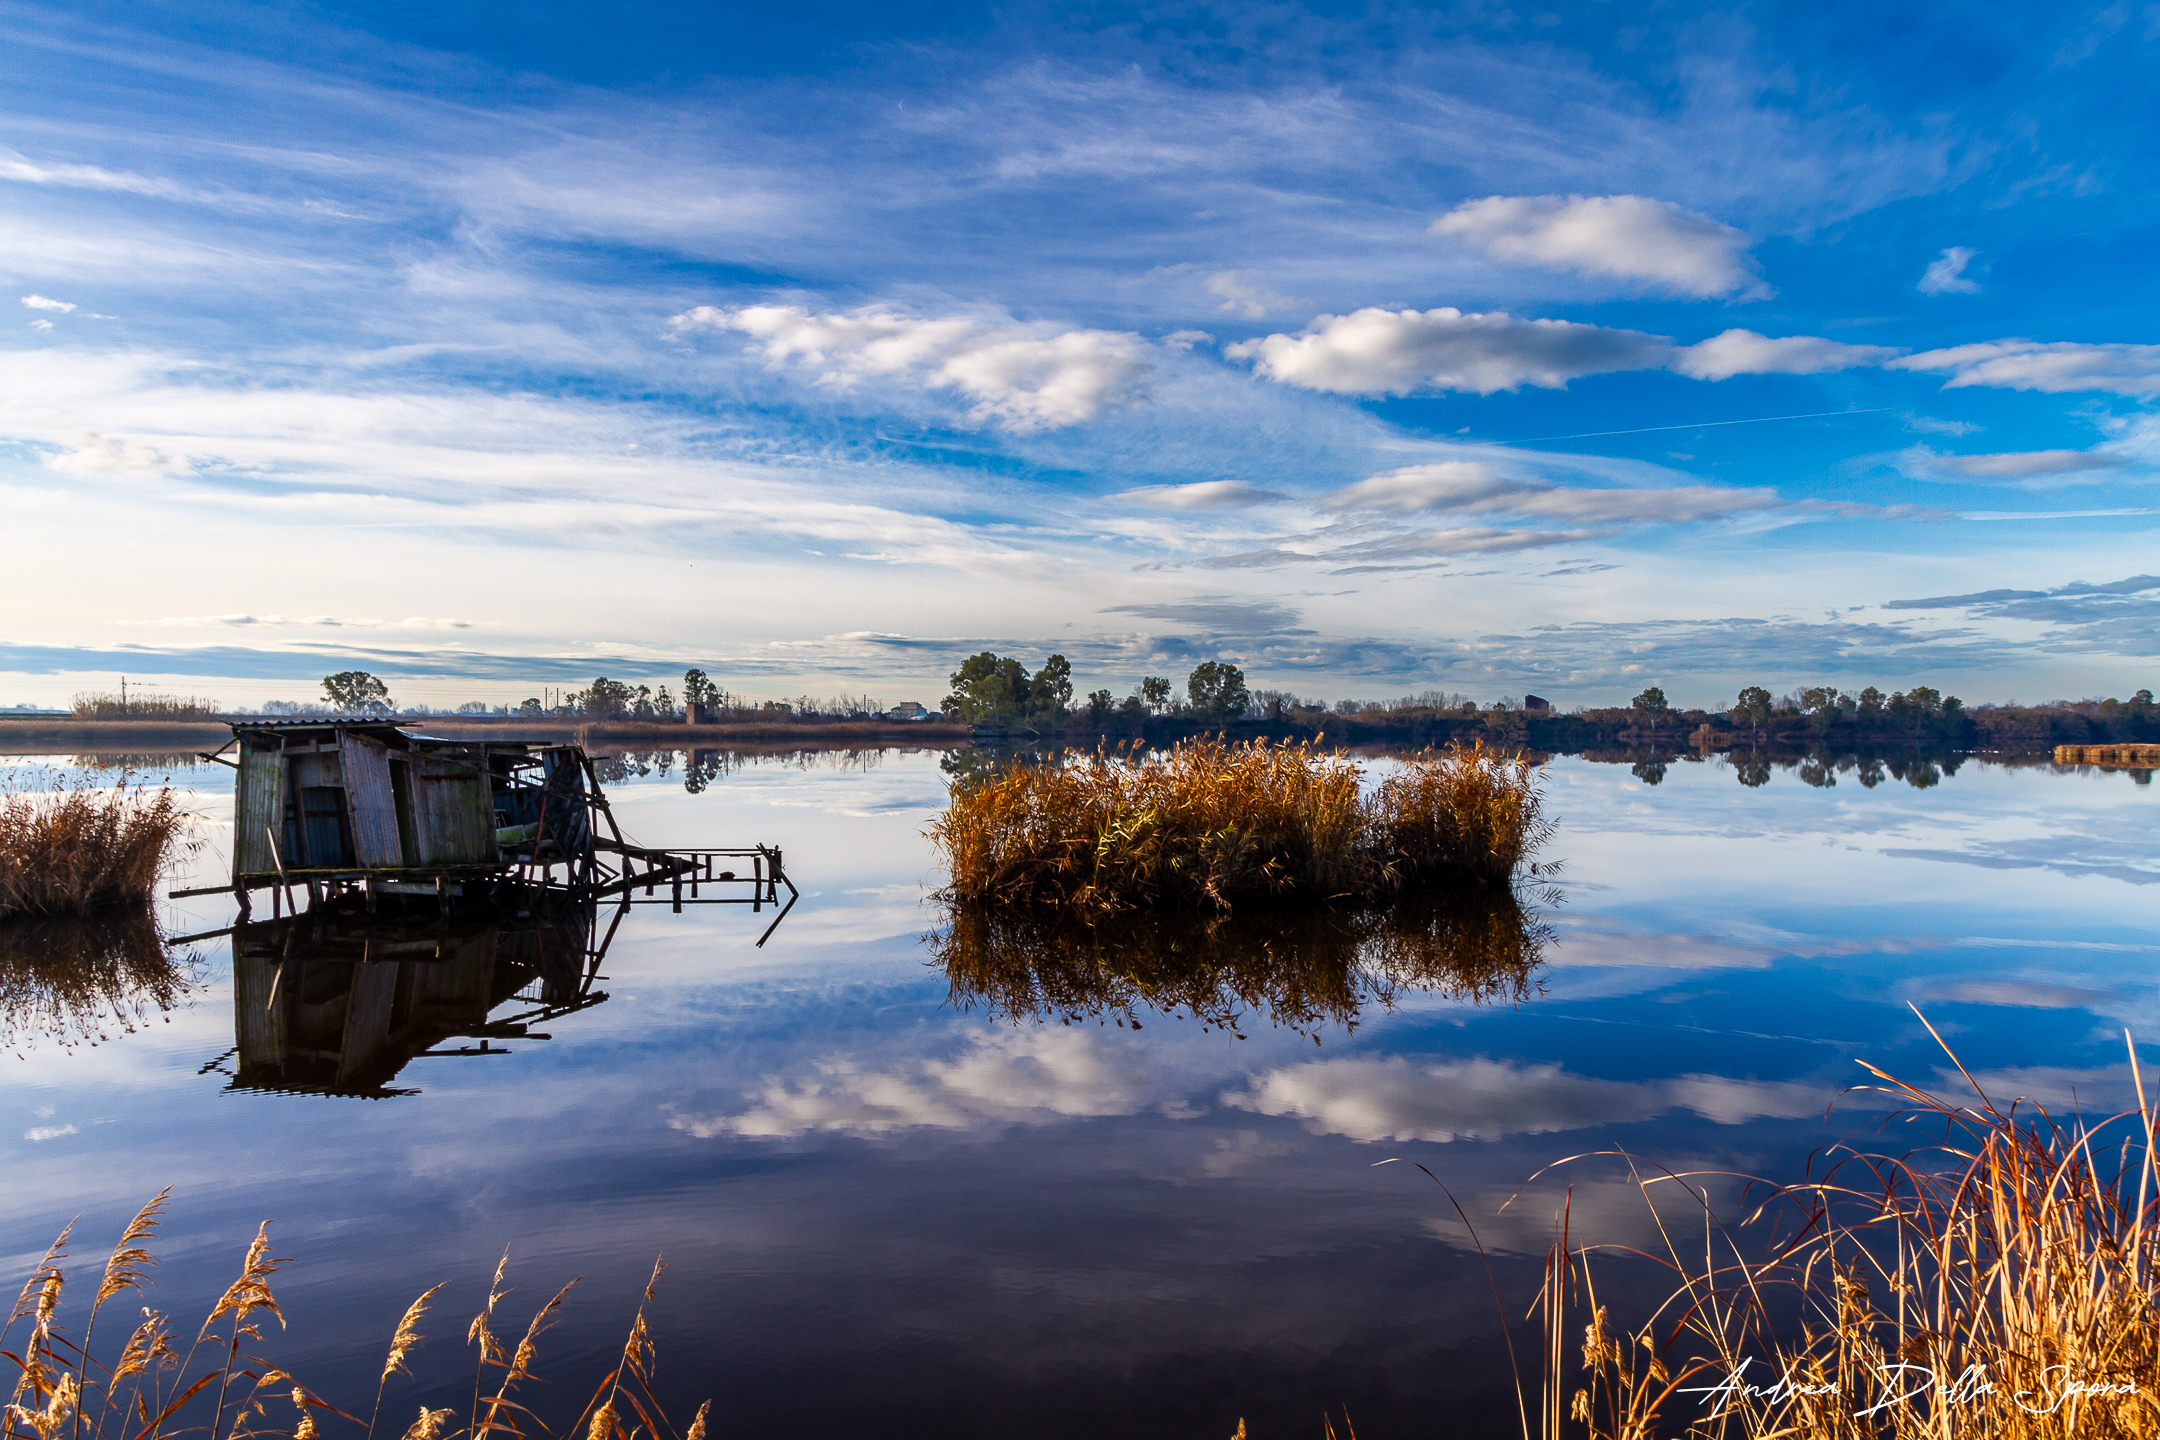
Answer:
(75, 849)
(2002, 1283)
(1215, 825)
(154, 1386)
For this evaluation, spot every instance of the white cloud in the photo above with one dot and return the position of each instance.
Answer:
(1203, 495)
(1015, 1077)
(49, 1132)
(1374, 351)
(1743, 352)
(1627, 237)
(1394, 1099)
(41, 302)
(2056, 367)
(18, 167)
(96, 454)
(1020, 376)
(41, 324)
(1946, 273)
(2025, 464)
(1472, 487)
(245, 622)
(1240, 298)
(1183, 340)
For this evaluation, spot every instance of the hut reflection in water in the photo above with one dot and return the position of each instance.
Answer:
(1304, 970)
(335, 1003)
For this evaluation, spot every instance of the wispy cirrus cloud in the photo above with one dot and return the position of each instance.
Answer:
(2052, 367)
(1654, 243)
(1200, 495)
(2120, 617)
(1945, 274)
(1469, 487)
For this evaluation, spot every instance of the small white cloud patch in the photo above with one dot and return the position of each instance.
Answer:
(1242, 298)
(1023, 377)
(1393, 352)
(43, 302)
(42, 1133)
(1204, 495)
(96, 454)
(1628, 237)
(1469, 487)
(1743, 352)
(1945, 274)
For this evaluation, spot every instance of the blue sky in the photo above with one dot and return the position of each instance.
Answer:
(1378, 349)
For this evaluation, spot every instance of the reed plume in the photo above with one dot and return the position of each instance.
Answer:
(2001, 1281)
(159, 1393)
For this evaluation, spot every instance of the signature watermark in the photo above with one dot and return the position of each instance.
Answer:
(1901, 1383)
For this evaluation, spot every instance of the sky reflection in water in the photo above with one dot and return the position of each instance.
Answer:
(974, 1201)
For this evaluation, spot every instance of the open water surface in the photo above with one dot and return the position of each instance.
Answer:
(886, 1213)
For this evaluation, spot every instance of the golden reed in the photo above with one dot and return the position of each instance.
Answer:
(1210, 825)
(155, 1387)
(75, 849)
(2000, 1281)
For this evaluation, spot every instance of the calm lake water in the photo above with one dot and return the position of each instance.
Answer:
(884, 1215)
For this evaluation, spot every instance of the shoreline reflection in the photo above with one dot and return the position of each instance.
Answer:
(66, 979)
(1304, 970)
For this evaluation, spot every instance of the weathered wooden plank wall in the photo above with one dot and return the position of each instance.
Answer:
(370, 801)
(453, 813)
(259, 806)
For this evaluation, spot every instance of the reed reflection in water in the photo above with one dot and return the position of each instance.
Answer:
(1303, 969)
(79, 979)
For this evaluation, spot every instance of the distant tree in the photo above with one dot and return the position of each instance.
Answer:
(1822, 704)
(1099, 705)
(473, 707)
(358, 692)
(1155, 693)
(988, 688)
(1217, 690)
(664, 704)
(641, 704)
(605, 699)
(698, 689)
(1752, 709)
(531, 705)
(1650, 702)
(1868, 710)
(1050, 693)
(1133, 705)
(1275, 704)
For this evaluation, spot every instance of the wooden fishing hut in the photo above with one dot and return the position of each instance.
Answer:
(365, 806)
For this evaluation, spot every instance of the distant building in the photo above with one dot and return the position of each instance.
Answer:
(907, 710)
(1536, 702)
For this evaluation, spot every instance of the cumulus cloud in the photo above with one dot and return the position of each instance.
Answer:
(1743, 352)
(1627, 237)
(1010, 1078)
(42, 302)
(1239, 297)
(1203, 495)
(1395, 1099)
(1391, 352)
(1023, 377)
(1945, 274)
(2055, 367)
(1472, 487)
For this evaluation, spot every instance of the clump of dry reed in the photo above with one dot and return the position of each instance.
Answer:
(1215, 825)
(72, 849)
(153, 1388)
(1300, 969)
(2002, 1281)
(77, 979)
